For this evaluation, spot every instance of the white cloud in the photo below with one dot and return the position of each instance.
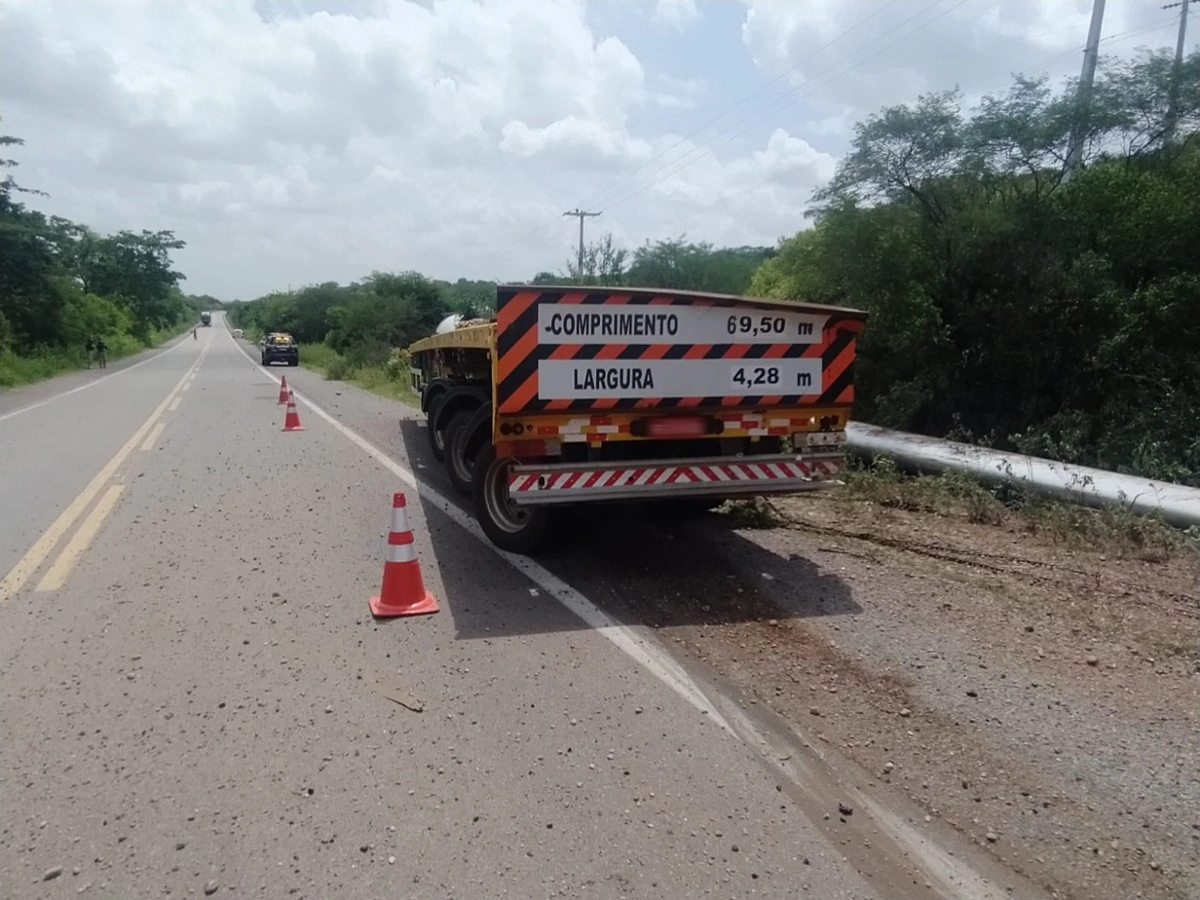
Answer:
(582, 142)
(792, 160)
(854, 56)
(288, 143)
(676, 13)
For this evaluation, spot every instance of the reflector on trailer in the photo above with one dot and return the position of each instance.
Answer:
(677, 426)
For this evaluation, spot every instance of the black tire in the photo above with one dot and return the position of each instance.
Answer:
(294, 362)
(457, 466)
(516, 529)
(437, 436)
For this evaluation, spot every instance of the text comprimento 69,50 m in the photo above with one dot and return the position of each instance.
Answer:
(642, 324)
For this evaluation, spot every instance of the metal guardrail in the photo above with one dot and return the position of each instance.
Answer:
(1175, 503)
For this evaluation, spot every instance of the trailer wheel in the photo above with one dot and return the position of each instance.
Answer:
(517, 529)
(458, 463)
(437, 436)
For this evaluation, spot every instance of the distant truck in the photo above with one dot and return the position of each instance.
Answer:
(579, 395)
(206, 318)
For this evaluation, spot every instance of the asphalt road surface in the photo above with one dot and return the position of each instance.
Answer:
(196, 699)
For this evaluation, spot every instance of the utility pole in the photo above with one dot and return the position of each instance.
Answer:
(581, 214)
(1084, 98)
(1177, 72)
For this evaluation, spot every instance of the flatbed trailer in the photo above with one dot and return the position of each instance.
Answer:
(590, 394)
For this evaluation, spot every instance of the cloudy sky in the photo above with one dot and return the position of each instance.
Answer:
(297, 141)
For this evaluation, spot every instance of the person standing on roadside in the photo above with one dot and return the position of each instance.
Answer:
(90, 346)
(101, 353)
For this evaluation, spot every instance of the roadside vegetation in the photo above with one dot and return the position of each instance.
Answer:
(952, 496)
(957, 495)
(1010, 304)
(389, 378)
(61, 282)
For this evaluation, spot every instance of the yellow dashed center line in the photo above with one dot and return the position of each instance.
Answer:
(57, 574)
(44, 545)
(157, 431)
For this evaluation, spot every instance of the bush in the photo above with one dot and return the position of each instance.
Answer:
(371, 352)
(338, 369)
(399, 365)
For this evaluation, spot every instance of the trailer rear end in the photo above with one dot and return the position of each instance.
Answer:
(576, 395)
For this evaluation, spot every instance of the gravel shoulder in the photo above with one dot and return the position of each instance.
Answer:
(1040, 698)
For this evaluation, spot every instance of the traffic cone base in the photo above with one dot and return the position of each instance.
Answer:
(403, 591)
(427, 605)
(291, 422)
(283, 392)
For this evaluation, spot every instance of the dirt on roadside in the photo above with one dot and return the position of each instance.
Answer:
(1041, 696)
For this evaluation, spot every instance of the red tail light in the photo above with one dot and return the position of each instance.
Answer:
(678, 426)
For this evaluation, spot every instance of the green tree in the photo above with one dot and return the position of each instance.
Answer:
(385, 310)
(60, 281)
(1007, 303)
(681, 265)
(471, 299)
(603, 263)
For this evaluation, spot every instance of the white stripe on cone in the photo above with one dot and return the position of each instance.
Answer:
(401, 553)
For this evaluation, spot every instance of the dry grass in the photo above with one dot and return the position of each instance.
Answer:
(1115, 529)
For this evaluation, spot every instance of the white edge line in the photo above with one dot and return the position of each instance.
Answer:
(83, 387)
(638, 647)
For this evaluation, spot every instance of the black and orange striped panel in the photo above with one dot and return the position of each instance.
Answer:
(520, 354)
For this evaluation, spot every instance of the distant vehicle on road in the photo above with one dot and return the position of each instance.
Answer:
(279, 348)
(206, 318)
(237, 332)
(618, 394)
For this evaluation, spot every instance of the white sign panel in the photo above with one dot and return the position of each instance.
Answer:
(640, 324)
(590, 379)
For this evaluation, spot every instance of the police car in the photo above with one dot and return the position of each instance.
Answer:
(277, 347)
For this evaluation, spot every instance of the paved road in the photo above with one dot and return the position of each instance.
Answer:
(193, 689)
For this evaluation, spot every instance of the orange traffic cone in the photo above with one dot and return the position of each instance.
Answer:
(291, 422)
(283, 391)
(403, 592)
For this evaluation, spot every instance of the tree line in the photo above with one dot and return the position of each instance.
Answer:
(364, 320)
(1014, 301)
(61, 282)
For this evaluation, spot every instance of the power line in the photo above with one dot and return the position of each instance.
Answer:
(1117, 38)
(783, 100)
(623, 193)
(682, 162)
(734, 104)
(721, 113)
(634, 190)
(696, 153)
